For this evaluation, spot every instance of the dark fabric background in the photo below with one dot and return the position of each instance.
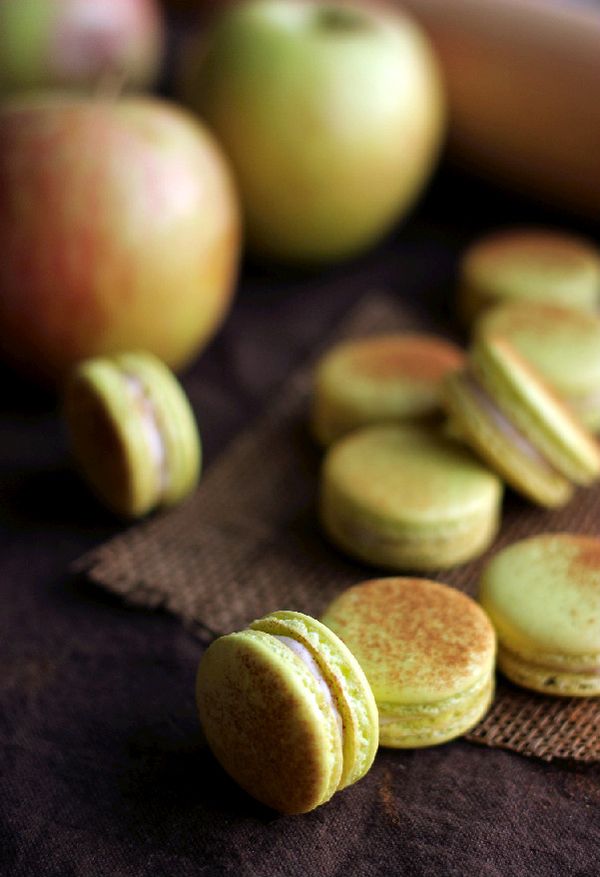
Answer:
(102, 767)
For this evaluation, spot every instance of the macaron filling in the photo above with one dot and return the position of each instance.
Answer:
(151, 429)
(305, 656)
(504, 425)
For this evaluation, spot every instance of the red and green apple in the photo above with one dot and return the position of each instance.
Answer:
(119, 229)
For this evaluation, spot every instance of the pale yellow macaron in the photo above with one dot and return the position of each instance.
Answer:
(529, 264)
(405, 497)
(543, 597)
(428, 652)
(133, 432)
(380, 379)
(287, 711)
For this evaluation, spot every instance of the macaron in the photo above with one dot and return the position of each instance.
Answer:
(530, 264)
(380, 379)
(428, 652)
(503, 409)
(407, 498)
(562, 343)
(132, 432)
(543, 597)
(287, 711)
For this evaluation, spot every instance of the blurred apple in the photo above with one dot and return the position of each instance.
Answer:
(118, 230)
(47, 43)
(332, 116)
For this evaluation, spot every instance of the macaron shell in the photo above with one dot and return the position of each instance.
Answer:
(108, 439)
(563, 345)
(405, 497)
(529, 265)
(544, 592)
(347, 682)
(175, 420)
(529, 474)
(268, 723)
(385, 378)
(418, 642)
(406, 728)
(535, 410)
(548, 680)
(543, 596)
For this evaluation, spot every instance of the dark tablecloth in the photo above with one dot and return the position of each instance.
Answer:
(102, 766)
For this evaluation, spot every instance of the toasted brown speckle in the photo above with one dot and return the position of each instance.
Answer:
(409, 357)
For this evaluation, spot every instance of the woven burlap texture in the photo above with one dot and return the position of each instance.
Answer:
(248, 542)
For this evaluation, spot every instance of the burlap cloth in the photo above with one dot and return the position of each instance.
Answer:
(247, 543)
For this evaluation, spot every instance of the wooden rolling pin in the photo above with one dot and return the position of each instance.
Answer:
(523, 81)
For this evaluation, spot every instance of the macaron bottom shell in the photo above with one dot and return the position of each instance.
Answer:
(446, 545)
(549, 679)
(409, 726)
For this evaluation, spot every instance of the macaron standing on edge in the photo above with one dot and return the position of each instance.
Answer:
(404, 497)
(529, 264)
(428, 652)
(543, 597)
(132, 432)
(563, 345)
(287, 711)
(380, 379)
(502, 408)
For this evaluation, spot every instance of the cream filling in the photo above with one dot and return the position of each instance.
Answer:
(151, 429)
(305, 656)
(505, 426)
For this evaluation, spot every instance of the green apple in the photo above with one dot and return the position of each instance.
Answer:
(119, 229)
(332, 116)
(47, 43)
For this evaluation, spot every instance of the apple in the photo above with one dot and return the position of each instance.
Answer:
(119, 229)
(332, 116)
(48, 43)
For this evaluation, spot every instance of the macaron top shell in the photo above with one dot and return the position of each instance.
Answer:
(417, 641)
(523, 397)
(543, 594)
(534, 265)
(562, 343)
(353, 696)
(410, 474)
(383, 378)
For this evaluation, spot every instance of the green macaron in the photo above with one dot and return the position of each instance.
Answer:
(562, 343)
(428, 652)
(132, 432)
(503, 409)
(407, 498)
(380, 379)
(543, 596)
(530, 264)
(287, 711)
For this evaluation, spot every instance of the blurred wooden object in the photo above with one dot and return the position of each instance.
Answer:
(523, 81)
